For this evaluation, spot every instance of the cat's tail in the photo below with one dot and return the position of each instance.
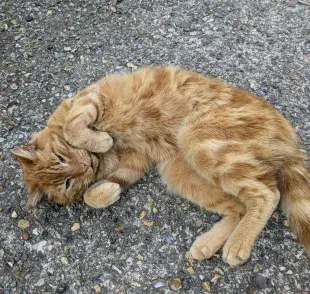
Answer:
(294, 186)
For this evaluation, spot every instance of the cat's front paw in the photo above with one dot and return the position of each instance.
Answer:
(236, 251)
(102, 195)
(100, 143)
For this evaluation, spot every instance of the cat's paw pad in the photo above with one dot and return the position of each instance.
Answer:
(236, 251)
(202, 249)
(103, 195)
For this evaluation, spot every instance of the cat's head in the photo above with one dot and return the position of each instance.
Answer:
(53, 170)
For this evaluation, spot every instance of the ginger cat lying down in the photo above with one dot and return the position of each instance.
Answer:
(218, 146)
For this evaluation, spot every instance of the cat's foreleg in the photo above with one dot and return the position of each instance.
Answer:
(183, 180)
(131, 167)
(77, 129)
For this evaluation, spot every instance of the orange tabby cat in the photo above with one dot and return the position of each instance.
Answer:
(220, 147)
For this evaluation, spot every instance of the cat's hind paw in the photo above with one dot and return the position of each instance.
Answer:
(236, 251)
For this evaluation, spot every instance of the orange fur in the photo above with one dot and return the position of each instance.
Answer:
(221, 147)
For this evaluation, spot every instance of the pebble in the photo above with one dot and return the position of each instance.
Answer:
(25, 236)
(40, 283)
(206, 286)
(29, 18)
(176, 284)
(67, 49)
(75, 227)
(40, 246)
(159, 284)
(260, 282)
(67, 87)
(119, 228)
(97, 289)
(64, 260)
(13, 86)
(14, 214)
(23, 224)
(190, 270)
(11, 123)
(148, 223)
(142, 214)
(51, 271)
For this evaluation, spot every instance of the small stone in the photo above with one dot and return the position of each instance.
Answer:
(119, 228)
(5, 27)
(256, 268)
(142, 214)
(206, 286)
(252, 85)
(67, 49)
(75, 227)
(190, 270)
(29, 18)
(14, 214)
(51, 271)
(13, 86)
(40, 283)
(40, 246)
(148, 223)
(140, 257)
(159, 284)
(25, 236)
(64, 260)
(123, 257)
(131, 66)
(176, 284)
(97, 289)
(11, 123)
(155, 210)
(260, 282)
(49, 12)
(49, 47)
(67, 87)
(215, 278)
(1, 188)
(113, 9)
(219, 271)
(149, 204)
(23, 224)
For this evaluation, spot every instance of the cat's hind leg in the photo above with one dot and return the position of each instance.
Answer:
(237, 171)
(183, 180)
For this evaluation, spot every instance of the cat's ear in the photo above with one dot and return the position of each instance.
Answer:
(27, 152)
(35, 198)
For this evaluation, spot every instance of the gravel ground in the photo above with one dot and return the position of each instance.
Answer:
(51, 49)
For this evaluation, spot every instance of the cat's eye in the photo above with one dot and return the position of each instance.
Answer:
(61, 159)
(67, 183)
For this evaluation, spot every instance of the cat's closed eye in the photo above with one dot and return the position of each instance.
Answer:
(67, 183)
(61, 159)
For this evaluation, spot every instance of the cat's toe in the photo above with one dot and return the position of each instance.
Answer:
(235, 253)
(202, 248)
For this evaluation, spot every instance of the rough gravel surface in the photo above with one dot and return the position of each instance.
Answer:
(51, 49)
